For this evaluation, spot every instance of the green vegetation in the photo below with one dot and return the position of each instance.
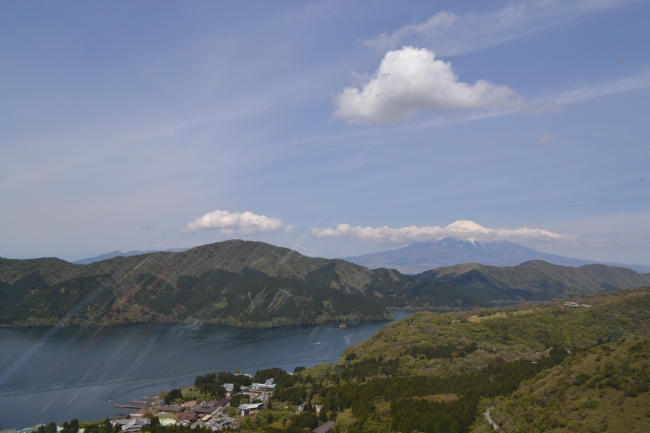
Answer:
(602, 389)
(521, 332)
(174, 395)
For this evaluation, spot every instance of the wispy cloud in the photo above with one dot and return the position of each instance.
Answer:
(543, 107)
(242, 223)
(430, 27)
(462, 229)
(627, 84)
(411, 80)
(450, 34)
(547, 136)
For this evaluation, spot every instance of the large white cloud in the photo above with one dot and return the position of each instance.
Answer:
(462, 229)
(243, 223)
(412, 80)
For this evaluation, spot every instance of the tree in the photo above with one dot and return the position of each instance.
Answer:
(174, 394)
(74, 426)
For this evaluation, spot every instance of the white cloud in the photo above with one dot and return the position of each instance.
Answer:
(547, 136)
(242, 223)
(411, 80)
(462, 229)
(452, 34)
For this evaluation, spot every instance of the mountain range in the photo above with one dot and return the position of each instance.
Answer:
(423, 256)
(236, 283)
(535, 280)
(254, 284)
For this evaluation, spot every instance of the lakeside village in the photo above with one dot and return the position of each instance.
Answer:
(226, 413)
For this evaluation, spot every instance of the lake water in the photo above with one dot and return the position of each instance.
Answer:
(57, 374)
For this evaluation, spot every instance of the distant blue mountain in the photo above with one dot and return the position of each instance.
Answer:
(423, 256)
(117, 253)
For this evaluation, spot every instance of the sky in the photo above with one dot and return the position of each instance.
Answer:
(334, 128)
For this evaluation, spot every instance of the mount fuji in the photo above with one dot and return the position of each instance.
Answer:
(448, 251)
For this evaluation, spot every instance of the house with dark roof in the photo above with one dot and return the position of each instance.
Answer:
(187, 416)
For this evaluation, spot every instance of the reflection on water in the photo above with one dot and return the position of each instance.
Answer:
(56, 374)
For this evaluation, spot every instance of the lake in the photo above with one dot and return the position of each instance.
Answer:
(57, 374)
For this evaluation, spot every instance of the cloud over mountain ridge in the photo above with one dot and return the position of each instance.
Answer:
(242, 223)
(461, 229)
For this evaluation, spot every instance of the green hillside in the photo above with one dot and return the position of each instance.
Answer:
(602, 389)
(236, 283)
(533, 368)
(521, 332)
(535, 280)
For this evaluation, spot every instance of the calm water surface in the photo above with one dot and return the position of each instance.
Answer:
(57, 374)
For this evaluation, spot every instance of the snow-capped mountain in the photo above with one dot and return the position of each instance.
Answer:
(423, 256)
(466, 225)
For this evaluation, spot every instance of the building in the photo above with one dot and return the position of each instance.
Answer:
(167, 421)
(229, 387)
(187, 416)
(266, 385)
(249, 408)
(136, 424)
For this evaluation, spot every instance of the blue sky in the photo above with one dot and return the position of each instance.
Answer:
(124, 123)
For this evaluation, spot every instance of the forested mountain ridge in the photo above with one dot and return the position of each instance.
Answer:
(537, 280)
(523, 331)
(237, 283)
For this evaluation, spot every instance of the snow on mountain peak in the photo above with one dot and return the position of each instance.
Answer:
(465, 225)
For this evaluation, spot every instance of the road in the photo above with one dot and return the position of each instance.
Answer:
(489, 419)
